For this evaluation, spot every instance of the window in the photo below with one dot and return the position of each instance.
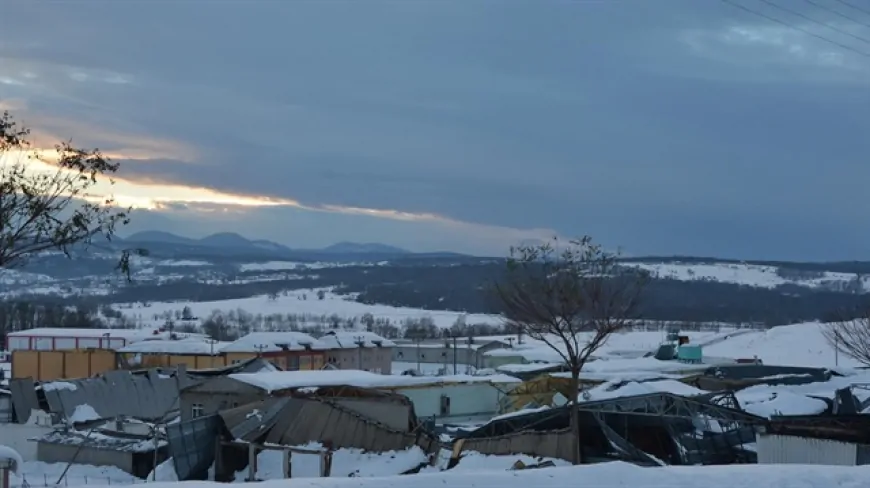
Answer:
(445, 405)
(196, 410)
(236, 361)
(235, 404)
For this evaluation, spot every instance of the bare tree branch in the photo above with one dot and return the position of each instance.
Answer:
(850, 335)
(571, 298)
(47, 201)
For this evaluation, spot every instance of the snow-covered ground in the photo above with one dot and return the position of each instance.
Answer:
(300, 302)
(629, 344)
(610, 475)
(39, 474)
(788, 345)
(750, 275)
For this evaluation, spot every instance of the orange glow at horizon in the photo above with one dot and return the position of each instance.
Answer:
(157, 196)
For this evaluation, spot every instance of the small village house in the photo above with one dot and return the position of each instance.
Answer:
(290, 351)
(463, 352)
(360, 350)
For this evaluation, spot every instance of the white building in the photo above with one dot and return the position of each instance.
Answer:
(64, 339)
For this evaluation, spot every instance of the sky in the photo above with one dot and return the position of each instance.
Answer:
(665, 127)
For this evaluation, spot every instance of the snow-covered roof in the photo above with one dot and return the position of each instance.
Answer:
(273, 342)
(282, 380)
(351, 340)
(531, 353)
(632, 388)
(129, 334)
(182, 346)
(526, 368)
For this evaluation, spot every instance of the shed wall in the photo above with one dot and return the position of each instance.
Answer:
(551, 444)
(61, 453)
(782, 449)
(470, 399)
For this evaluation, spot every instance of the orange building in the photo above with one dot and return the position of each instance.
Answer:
(290, 351)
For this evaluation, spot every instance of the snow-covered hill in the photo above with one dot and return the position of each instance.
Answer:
(761, 276)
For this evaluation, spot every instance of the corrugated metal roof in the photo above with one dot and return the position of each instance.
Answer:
(150, 396)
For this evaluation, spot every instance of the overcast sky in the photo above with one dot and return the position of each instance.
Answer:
(661, 126)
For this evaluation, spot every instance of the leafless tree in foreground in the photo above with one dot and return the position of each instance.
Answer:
(850, 335)
(47, 200)
(570, 296)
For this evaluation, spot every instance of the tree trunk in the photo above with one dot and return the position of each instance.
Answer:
(575, 416)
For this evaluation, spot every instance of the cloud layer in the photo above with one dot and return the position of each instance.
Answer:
(667, 127)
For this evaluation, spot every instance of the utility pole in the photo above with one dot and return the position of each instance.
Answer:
(471, 355)
(454, 354)
(361, 343)
(417, 340)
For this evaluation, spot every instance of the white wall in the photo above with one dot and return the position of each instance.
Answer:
(469, 399)
(784, 449)
(16, 435)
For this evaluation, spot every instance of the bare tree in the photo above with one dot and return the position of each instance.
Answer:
(54, 209)
(850, 335)
(571, 297)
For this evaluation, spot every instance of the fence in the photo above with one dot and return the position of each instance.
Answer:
(45, 480)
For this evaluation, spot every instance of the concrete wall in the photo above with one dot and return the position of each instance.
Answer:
(466, 400)
(374, 359)
(61, 453)
(16, 436)
(217, 394)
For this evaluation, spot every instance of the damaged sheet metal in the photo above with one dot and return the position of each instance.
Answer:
(294, 421)
(192, 446)
(149, 396)
(645, 429)
(24, 399)
(252, 421)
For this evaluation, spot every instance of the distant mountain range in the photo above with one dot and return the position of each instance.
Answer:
(235, 243)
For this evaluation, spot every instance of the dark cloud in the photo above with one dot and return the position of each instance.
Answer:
(672, 126)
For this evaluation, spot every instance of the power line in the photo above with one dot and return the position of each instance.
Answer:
(799, 29)
(837, 13)
(860, 9)
(814, 21)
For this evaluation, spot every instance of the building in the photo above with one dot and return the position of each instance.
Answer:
(360, 350)
(455, 398)
(65, 339)
(290, 351)
(447, 352)
(160, 353)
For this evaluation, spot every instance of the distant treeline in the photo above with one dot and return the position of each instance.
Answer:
(465, 287)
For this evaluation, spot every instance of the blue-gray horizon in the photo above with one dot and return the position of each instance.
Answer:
(673, 127)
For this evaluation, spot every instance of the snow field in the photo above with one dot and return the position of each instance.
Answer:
(609, 475)
(293, 303)
(742, 274)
